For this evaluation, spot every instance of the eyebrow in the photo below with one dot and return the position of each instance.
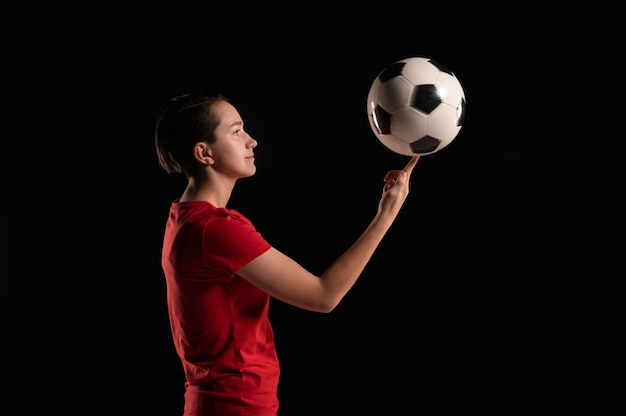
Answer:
(236, 124)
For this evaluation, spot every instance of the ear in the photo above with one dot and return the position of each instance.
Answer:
(203, 154)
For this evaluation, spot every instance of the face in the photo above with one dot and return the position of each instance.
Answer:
(233, 149)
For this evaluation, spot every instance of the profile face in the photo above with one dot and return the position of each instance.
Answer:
(233, 150)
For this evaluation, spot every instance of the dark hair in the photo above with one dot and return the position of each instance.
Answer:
(184, 121)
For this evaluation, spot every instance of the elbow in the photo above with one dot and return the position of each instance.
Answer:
(313, 305)
(321, 302)
(326, 307)
(320, 306)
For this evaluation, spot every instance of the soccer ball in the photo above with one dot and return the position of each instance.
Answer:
(416, 106)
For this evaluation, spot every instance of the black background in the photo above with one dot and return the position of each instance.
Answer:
(500, 286)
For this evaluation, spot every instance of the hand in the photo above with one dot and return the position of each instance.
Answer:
(396, 189)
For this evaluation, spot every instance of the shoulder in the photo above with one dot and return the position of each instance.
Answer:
(229, 227)
(226, 217)
(206, 213)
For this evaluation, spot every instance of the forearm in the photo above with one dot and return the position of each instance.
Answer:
(339, 278)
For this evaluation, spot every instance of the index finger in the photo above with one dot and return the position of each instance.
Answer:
(409, 166)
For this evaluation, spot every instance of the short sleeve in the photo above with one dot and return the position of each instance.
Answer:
(232, 241)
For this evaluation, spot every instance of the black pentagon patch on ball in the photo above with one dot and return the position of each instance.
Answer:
(440, 67)
(461, 118)
(425, 145)
(382, 120)
(391, 71)
(425, 98)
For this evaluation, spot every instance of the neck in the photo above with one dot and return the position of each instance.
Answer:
(216, 193)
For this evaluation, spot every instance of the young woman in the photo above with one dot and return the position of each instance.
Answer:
(220, 272)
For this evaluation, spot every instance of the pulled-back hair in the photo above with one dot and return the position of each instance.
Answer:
(184, 121)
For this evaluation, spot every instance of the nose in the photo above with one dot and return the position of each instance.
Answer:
(252, 144)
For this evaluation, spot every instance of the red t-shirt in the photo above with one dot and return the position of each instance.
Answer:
(219, 321)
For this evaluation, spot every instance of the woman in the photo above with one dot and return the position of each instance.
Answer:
(220, 272)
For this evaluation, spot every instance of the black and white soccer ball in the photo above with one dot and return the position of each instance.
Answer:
(416, 106)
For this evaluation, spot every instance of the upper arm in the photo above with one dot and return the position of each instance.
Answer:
(284, 279)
